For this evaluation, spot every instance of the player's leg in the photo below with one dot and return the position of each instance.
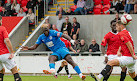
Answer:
(74, 65)
(2, 72)
(123, 73)
(108, 75)
(66, 68)
(131, 71)
(60, 68)
(11, 65)
(108, 68)
(16, 74)
(52, 59)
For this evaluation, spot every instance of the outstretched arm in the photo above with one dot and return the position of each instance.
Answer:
(66, 37)
(30, 48)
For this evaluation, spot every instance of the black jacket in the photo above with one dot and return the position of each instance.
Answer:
(68, 28)
(31, 4)
(94, 48)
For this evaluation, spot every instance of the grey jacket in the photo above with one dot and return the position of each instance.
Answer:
(89, 4)
(82, 48)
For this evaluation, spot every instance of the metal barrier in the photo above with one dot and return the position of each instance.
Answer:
(47, 53)
(31, 35)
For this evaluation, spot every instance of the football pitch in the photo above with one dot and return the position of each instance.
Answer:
(60, 78)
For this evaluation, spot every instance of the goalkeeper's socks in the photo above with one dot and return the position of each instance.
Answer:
(60, 68)
(1, 76)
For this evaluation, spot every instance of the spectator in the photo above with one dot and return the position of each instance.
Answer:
(61, 11)
(116, 5)
(94, 47)
(0, 3)
(76, 42)
(75, 28)
(31, 4)
(80, 5)
(135, 7)
(66, 26)
(15, 7)
(60, 21)
(75, 2)
(8, 6)
(89, 4)
(54, 27)
(129, 6)
(69, 12)
(40, 9)
(31, 16)
(82, 47)
(117, 18)
(21, 13)
(4, 12)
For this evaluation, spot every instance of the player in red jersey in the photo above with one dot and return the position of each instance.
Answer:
(64, 63)
(112, 40)
(128, 57)
(6, 57)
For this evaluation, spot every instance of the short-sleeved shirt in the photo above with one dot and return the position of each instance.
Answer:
(67, 43)
(52, 41)
(112, 40)
(3, 35)
(125, 37)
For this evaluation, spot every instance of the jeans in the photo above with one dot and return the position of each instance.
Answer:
(85, 11)
(78, 9)
(128, 8)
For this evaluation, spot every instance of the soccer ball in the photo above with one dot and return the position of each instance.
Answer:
(126, 19)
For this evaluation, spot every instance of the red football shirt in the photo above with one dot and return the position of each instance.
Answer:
(3, 35)
(125, 37)
(113, 42)
(67, 43)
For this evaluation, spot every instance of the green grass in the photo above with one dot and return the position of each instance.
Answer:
(60, 78)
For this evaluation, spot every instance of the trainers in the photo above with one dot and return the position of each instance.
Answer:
(51, 71)
(46, 72)
(83, 77)
(69, 77)
(56, 76)
(95, 77)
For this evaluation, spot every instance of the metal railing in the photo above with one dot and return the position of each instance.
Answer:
(47, 53)
(29, 38)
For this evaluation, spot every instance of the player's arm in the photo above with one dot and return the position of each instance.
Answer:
(119, 51)
(68, 38)
(103, 49)
(9, 45)
(130, 47)
(72, 49)
(38, 42)
(30, 48)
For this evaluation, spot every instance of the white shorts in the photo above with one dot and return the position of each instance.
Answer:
(129, 62)
(9, 63)
(112, 57)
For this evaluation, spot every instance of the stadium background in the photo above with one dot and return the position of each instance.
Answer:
(92, 26)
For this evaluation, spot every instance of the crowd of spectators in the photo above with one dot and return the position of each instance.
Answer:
(72, 29)
(83, 7)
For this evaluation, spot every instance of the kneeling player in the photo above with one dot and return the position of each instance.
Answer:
(64, 63)
(6, 57)
(128, 57)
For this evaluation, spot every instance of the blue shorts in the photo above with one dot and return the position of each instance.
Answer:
(61, 53)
